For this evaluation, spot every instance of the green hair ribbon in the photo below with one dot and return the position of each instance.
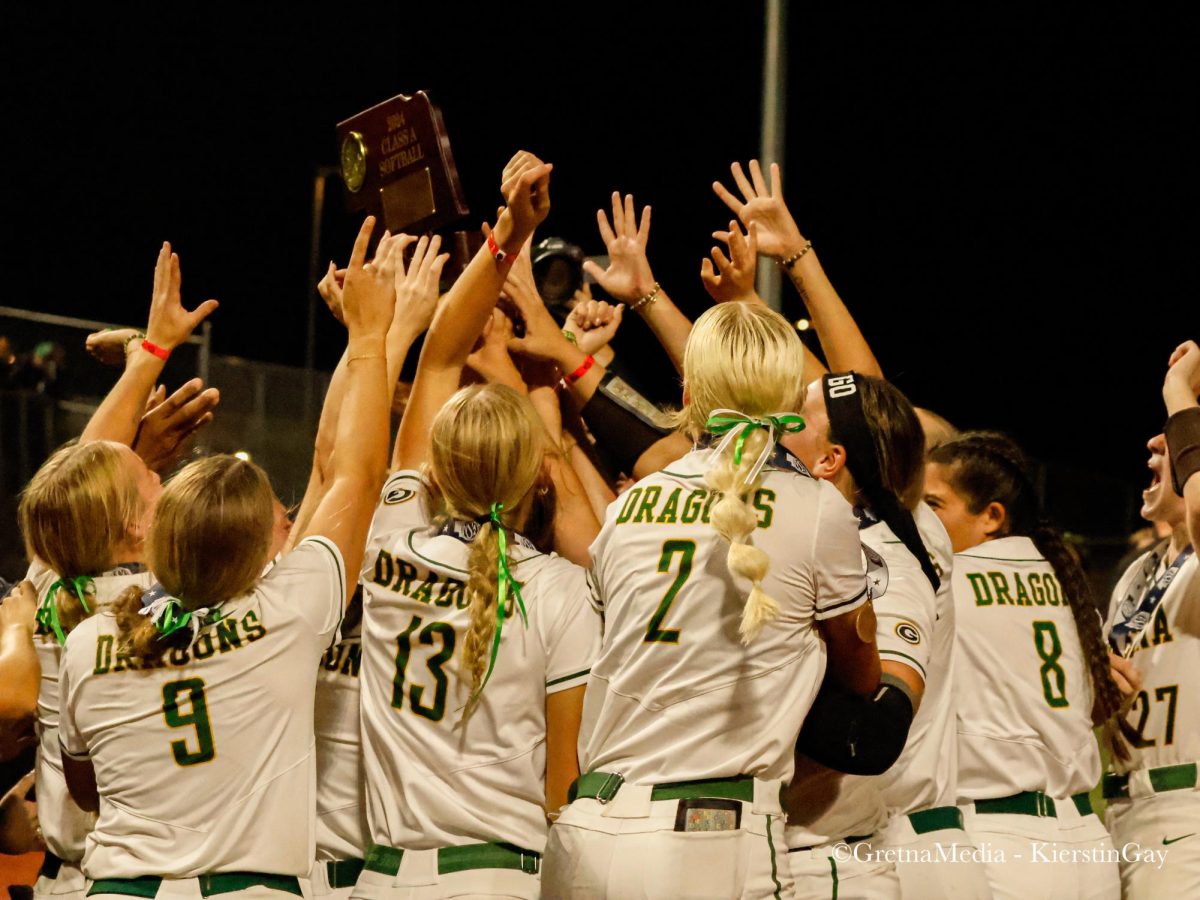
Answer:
(724, 421)
(47, 613)
(504, 582)
(169, 614)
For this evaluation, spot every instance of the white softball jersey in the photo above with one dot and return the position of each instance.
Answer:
(675, 695)
(925, 775)
(207, 764)
(434, 779)
(64, 825)
(1025, 696)
(905, 610)
(341, 793)
(1166, 712)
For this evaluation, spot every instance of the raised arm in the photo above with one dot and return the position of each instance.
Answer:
(459, 321)
(357, 468)
(1180, 388)
(778, 236)
(169, 325)
(629, 279)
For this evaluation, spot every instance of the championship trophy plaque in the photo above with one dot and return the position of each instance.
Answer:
(397, 165)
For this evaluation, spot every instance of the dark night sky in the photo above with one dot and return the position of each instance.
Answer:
(1006, 205)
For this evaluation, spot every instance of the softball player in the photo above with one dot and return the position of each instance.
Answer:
(694, 704)
(1031, 662)
(476, 645)
(187, 710)
(84, 516)
(1153, 801)
(864, 436)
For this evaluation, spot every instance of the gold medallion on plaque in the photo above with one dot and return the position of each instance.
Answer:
(354, 161)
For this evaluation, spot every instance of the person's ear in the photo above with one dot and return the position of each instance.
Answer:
(830, 463)
(995, 519)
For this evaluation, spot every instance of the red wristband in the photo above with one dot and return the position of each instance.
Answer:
(161, 352)
(587, 363)
(494, 248)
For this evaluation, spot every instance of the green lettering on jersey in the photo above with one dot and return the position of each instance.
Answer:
(227, 635)
(424, 591)
(692, 505)
(670, 508)
(1035, 587)
(712, 498)
(764, 498)
(179, 656)
(104, 649)
(253, 628)
(445, 595)
(204, 647)
(1162, 631)
(1022, 594)
(123, 663)
(1053, 595)
(385, 568)
(1000, 585)
(979, 584)
(631, 500)
(405, 574)
(645, 512)
(332, 658)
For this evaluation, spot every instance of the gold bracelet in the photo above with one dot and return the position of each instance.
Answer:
(648, 299)
(796, 257)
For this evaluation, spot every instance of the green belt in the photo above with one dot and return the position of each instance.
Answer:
(1164, 778)
(343, 873)
(51, 865)
(939, 818)
(386, 860)
(210, 885)
(603, 786)
(1032, 803)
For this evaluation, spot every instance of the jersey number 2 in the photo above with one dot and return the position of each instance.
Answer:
(192, 691)
(1049, 648)
(655, 633)
(445, 633)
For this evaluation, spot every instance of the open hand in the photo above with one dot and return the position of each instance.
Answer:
(778, 234)
(628, 276)
(417, 283)
(369, 292)
(169, 422)
(169, 323)
(733, 278)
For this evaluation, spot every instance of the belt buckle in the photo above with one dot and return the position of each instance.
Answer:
(603, 793)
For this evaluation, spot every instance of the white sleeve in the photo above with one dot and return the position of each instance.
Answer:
(568, 623)
(905, 616)
(311, 580)
(837, 557)
(69, 738)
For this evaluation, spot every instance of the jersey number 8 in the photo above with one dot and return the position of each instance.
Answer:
(1054, 679)
(193, 689)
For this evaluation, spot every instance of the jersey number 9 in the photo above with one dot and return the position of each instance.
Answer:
(192, 690)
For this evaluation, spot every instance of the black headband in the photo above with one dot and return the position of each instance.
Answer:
(848, 427)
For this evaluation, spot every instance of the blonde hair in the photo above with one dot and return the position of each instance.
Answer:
(208, 544)
(75, 509)
(747, 358)
(487, 446)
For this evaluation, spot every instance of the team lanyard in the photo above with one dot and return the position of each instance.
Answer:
(1133, 616)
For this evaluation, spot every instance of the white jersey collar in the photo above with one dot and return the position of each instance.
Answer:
(1008, 549)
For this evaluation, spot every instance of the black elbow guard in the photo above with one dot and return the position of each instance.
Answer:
(621, 431)
(856, 735)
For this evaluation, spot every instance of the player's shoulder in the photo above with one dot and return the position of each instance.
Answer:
(81, 642)
(1016, 550)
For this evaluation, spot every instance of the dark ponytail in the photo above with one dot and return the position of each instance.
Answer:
(988, 467)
